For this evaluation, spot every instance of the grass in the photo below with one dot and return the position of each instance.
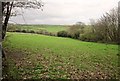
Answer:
(48, 28)
(56, 57)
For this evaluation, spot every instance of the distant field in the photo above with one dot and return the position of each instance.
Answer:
(49, 28)
(37, 56)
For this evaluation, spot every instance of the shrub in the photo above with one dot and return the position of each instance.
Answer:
(31, 31)
(62, 34)
(46, 33)
(39, 32)
(52, 34)
(91, 37)
(11, 28)
(18, 30)
(74, 35)
(24, 31)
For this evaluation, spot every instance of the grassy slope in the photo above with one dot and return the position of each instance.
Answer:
(49, 28)
(83, 55)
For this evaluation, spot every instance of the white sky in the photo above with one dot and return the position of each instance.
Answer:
(66, 11)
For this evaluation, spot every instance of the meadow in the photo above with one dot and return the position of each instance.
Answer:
(48, 28)
(39, 56)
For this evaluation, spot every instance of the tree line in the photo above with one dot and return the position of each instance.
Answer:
(105, 29)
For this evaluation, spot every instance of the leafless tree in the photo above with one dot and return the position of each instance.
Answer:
(7, 11)
(8, 6)
(107, 26)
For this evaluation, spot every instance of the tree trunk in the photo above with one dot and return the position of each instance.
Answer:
(5, 23)
(7, 16)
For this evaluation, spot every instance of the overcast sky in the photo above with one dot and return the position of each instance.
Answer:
(66, 12)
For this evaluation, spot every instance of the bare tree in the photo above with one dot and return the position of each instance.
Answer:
(7, 11)
(92, 22)
(8, 6)
(107, 26)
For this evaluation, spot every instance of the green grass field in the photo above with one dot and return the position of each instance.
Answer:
(39, 56)
(49, 28)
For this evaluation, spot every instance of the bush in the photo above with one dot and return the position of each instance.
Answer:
(18, 30)
(39, 32)
(11, 28)
(62, 34)
(91, 37)
(74, 35)
(31, 31)
(49, 34)
(46, 33)
(24, 31)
